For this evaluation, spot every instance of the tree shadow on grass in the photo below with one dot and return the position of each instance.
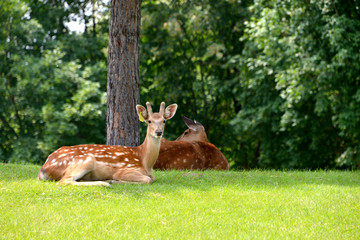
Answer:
(170, 181)
(177, 181)
(262, 178)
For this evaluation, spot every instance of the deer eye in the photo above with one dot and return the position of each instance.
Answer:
(164, 121)
(149, 121)
(186, 133)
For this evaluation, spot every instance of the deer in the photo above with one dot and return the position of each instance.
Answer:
(102, 165)
(191, 150)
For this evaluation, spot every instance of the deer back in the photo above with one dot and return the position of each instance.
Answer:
(182, 155)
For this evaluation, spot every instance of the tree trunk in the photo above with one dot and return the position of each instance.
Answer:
(123, 79)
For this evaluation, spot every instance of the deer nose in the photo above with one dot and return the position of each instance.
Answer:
(158, 132)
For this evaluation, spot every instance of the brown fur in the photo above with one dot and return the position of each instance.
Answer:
(183, 155)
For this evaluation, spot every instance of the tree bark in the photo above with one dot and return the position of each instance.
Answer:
(123, 79)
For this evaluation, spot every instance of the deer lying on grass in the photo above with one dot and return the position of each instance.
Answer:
(191, 150)
(104, 164)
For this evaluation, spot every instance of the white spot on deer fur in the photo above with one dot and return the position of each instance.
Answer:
(62, 155)
(66, 150)
(91, 149)
(136, 159)
(126, 159)
(184, 160)
(129, 165)
(114, 157)
(53, 160)
(85, 148)
(113, 164)
(187, 154)
(80, 148)
(119, 153)
(60, 163)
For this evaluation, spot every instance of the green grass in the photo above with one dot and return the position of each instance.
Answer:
(184, 205)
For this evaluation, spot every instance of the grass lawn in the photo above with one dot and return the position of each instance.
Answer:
(184, 205)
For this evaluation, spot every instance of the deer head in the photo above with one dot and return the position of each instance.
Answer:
(196, 131)
(156, 121)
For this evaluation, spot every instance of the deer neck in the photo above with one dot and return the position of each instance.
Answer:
(150, 152)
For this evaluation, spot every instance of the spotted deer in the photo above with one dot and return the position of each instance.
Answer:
(191, 150)
(104, 164)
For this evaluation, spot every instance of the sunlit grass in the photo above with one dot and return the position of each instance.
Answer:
(184, 205)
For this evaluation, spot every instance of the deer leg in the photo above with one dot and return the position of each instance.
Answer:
(152, 178)
(82, 166)
(114, 181)
(132, 177)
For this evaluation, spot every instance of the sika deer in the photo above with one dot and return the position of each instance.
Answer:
(191, 151)
(104, 164)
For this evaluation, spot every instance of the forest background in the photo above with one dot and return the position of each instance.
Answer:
(275, 83)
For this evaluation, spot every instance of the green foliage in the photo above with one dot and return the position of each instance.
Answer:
(49, 98)
(301, 68)
(275, 83)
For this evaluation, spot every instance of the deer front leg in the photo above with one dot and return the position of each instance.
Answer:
(82, 166)
(133, 176)
(152, 178)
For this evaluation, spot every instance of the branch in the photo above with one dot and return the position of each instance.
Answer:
(12, 98)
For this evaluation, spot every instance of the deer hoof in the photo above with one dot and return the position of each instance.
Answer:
(115, 181)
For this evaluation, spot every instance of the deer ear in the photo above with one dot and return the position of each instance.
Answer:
(170, 111)
(142, 113)
(189, 123)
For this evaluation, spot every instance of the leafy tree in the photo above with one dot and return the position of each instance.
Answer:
(302, 84)
(48, 99)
